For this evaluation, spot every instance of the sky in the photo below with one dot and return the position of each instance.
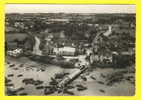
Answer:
(57, 8)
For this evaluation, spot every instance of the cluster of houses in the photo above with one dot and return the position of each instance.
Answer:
(57, 43)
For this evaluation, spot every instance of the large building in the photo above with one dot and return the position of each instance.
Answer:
(65, 51)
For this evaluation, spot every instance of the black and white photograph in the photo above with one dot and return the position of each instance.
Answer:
(70, 50)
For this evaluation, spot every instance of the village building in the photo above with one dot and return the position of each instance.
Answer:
(65, 51)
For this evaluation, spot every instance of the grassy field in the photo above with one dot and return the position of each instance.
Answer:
(12, 36)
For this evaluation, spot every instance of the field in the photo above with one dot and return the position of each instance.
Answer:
(12, 36)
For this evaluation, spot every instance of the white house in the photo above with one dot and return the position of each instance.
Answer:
(65, 51)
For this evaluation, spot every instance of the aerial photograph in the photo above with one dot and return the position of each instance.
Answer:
(70, 50)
